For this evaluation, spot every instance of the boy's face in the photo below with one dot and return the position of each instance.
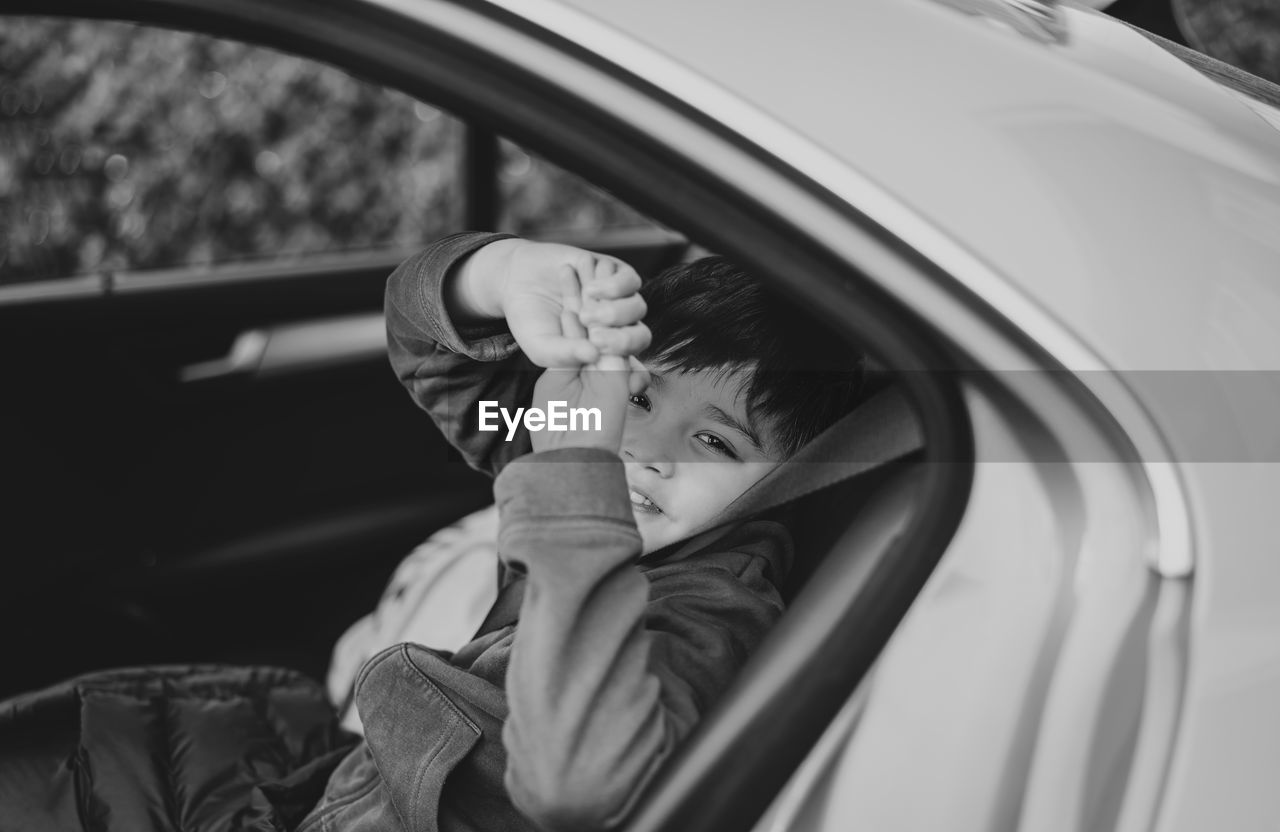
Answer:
(690, 450)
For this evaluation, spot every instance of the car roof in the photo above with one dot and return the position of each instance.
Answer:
(1101, 176)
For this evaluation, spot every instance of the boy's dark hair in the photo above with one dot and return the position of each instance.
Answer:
(712, 315)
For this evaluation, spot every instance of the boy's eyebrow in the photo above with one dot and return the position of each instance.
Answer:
(732, 422)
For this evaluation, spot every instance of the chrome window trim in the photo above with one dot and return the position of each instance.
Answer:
(1171, 551)
(78, 287)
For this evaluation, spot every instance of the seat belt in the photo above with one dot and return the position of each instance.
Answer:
(882, 430)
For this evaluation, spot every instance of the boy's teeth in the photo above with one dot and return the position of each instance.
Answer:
(639, 499)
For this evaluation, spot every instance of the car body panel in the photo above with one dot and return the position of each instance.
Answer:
(1023, 634)
(1228, 755)
(1142, 213)
(1040, 163)
(1046, 169)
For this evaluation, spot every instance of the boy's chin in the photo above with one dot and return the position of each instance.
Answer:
(656, 531)
(659, 531)
(650, 542)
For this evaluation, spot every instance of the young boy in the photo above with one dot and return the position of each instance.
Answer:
(629, 609)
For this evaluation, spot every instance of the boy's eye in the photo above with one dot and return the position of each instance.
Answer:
(640, 400)
(716, 444)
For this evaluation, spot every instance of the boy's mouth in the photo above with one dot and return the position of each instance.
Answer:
(642, 502)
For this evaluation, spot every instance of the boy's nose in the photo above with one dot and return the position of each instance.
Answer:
(662, 467)
(646, 448)
(646, 442)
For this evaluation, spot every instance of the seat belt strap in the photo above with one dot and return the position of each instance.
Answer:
(881, 430)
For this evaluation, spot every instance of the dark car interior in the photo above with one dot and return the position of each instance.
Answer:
(244, 517)
(213, 462)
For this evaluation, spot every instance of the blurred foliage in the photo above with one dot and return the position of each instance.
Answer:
(125, 147)
(1243, 33)
(539, 198)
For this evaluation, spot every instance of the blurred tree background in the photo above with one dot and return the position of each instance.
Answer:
(1243, 33)
(141, 148)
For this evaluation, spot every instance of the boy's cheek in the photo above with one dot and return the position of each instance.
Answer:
(720, 483)
(710, 491)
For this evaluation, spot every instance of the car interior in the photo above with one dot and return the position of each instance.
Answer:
(210, 460)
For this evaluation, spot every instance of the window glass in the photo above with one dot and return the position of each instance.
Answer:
(539, 198)
(124, 148)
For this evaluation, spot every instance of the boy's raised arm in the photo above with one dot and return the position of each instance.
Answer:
(448, 366)
(610, 672)
(461, 313)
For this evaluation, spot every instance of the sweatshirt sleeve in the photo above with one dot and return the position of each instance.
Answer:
(449, 369)
(608, 673)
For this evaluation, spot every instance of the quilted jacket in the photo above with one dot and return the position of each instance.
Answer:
(198, 748)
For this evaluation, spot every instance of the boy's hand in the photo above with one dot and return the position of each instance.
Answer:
(575, 312)
(591, 290)
(602, 387)
(532, 285)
